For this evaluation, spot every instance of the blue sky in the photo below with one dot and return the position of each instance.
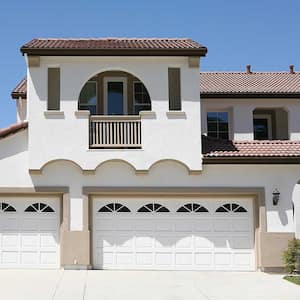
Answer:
(263, 33)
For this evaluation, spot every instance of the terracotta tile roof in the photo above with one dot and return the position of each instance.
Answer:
(108, 46)
(12, 129)
(20, 90)
(222, 84)
(217, 148)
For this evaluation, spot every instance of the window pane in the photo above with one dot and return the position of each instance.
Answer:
(223, 126)
(223, 117)
(88, 94)
(212, 126)
(115, 105)
(217, 125)
(141, 98)
(88, 97)
(261, 131)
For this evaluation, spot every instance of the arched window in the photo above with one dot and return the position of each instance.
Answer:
(231, 207)
(88, 97)
(153, 207)
(4, 207)
(114, 93)
(192, 207)
(39, 207)
(114, 207)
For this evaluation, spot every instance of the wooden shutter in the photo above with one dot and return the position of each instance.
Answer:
(174, 89)
(53, 89)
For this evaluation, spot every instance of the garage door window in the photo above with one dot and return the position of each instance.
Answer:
(6, 207)
(154, 208)
(39, 207)
(192, 207)
(114, 207)
(231, 207)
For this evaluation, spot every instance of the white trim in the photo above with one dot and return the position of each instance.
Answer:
(115, 79)
(269, 122)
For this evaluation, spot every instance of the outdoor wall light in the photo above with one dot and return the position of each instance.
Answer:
(276, 196)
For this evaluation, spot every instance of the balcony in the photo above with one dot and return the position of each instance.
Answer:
(110, 132)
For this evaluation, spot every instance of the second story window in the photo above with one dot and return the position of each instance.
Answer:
(217, 125)
(141, 97)
(88, 97)
(262, 126)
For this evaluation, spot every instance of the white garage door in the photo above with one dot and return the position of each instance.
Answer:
(173, 234)
(29, 232)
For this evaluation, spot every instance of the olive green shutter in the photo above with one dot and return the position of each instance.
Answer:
(53, 89)
(174, 89)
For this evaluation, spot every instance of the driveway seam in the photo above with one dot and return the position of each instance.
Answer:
(57, 285)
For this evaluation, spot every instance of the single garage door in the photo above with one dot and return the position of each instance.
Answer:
(173, 234)
(29, 232)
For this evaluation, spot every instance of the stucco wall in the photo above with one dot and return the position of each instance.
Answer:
(241, 115)
(66, 136)
(14, 173)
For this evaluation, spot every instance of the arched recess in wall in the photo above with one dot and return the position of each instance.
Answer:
(55, 161)
(114, 93)
(120, 161)
(178, 162)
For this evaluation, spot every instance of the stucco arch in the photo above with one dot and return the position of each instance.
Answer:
(69, 161)
(136, 74)
(122, 161)
(178, 162)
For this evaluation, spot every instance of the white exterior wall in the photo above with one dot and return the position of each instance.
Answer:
(241, 114)
(66, 136)
(14, 173)
(21, 107)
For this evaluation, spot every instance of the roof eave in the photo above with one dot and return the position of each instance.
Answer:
(249, 95)
(252, 160)
(114, 52)
(16, 95)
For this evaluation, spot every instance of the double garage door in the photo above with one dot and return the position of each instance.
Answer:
(29, 232)
(173, 234)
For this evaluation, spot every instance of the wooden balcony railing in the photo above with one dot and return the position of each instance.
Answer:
(115, 132)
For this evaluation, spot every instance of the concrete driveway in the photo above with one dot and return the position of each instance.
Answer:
(126, 285)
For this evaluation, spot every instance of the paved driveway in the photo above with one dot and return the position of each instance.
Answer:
(108, 285)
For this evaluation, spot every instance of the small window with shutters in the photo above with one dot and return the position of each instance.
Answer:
(174, 89)
(53, 89)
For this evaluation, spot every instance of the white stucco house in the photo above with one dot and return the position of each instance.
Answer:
(125, 156)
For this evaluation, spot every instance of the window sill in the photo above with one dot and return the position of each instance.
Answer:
(176, 114)
(82, 113)
(146, 114)
(54, 114)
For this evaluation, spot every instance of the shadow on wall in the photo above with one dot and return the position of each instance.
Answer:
(14, 144)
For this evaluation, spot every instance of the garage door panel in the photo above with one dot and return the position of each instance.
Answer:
(30, 239)
(10, 223)
(143, 242)
(184, 243)
(241, 242)
(240, 225)
(143, 225)
(222, 225)
(202, 242)
(183, 226)
(163, 258)
(144, 258)
(203, 259)
(10, 257)
(185, 240)
(203, 225)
